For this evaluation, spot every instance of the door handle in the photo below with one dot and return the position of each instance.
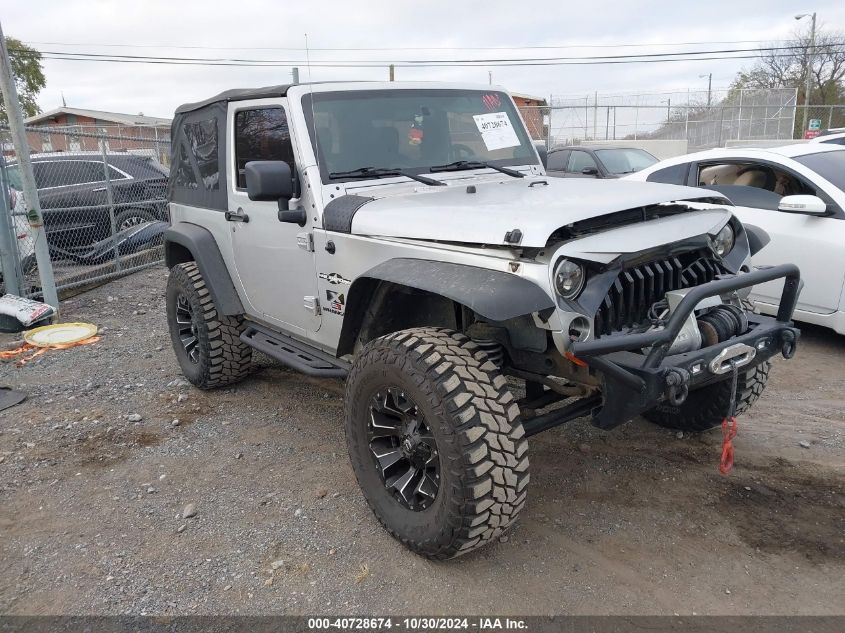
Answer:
(237, 216)
(98, 190)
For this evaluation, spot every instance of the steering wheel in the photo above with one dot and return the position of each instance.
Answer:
(459, 151)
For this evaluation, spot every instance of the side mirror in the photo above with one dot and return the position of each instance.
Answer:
(590, 171)
(543, 152)
(268, 180)
(807, 205)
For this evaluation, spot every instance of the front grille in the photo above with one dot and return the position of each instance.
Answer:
(637, 288)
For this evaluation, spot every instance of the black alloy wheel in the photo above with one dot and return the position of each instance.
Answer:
(404, 450)
(187, 327)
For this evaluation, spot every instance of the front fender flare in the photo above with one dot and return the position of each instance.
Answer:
(493, 294)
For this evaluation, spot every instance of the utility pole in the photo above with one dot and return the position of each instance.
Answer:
(30, 191)
(392, 73)
(808, 87)
(709, 87)
(295, 74)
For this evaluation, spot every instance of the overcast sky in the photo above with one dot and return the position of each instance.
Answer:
(238, 29)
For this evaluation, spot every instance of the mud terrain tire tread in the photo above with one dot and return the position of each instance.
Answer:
(223, 358)
(481, 440)
(705, 408)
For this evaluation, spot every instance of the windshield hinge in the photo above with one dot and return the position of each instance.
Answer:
(305, 241)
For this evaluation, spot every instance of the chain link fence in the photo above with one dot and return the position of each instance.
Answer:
(103, 196)
(703, 119)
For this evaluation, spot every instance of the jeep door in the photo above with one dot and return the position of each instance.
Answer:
(274, 260)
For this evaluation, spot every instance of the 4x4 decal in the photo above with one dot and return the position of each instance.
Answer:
(335, 302)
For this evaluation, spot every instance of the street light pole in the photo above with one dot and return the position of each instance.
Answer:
(809, 70)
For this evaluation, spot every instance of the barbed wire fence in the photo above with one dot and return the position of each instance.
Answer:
(103, 195)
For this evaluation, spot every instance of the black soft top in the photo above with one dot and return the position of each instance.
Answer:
(237, 94)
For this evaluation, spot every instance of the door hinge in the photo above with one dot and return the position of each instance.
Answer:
(312, 304)
(305, 241)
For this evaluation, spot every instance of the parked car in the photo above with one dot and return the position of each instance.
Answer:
(406, 237)
(578, 161)
(23, 245)
(74, 197)
(834, 136)
(796, 194)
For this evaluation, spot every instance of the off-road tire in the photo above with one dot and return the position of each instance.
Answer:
(222, 359)
(475, 422)
(705, 408)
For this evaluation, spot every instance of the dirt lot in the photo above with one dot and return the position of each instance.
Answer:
(635, 521)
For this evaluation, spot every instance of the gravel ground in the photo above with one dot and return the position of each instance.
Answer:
(98, 468)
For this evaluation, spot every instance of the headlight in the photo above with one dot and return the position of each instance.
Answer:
(569, 279)
(724, 241)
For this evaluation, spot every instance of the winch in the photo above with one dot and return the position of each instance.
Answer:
(715, 322)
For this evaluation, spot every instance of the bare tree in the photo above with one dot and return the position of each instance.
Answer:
(786, 66)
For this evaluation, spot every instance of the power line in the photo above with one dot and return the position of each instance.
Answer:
(407, 48)
(425, 65)
(529, 61)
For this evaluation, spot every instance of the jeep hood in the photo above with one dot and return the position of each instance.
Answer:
(482, 212)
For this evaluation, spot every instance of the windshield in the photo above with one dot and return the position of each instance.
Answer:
(828, 165)
(414, 130)
(625, 160)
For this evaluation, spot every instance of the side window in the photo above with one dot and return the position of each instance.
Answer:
(557, 161)
(261, 134)
(674, 175)
(751, 184)
(578, 161)
(76, 172)
(65, 173)
(41, 172)
(756, 175)
(199, 145)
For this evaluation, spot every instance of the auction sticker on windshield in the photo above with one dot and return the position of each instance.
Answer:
(496, 130)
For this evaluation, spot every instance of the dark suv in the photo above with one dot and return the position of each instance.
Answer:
(579, 161)
(74, 196)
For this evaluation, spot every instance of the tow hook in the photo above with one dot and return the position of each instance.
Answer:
(788, 344)
(677, 385)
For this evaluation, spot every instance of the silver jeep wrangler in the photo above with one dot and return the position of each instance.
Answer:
(404, 236)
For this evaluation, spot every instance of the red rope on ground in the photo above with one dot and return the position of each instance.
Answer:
(729, 428)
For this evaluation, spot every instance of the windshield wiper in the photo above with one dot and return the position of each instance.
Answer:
(378, 172)
(460, 165)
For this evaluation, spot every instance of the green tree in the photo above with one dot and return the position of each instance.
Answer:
(28, 74)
